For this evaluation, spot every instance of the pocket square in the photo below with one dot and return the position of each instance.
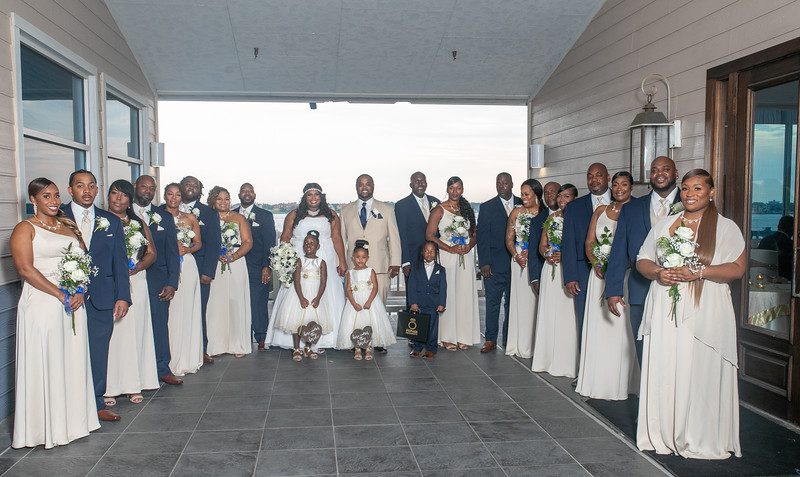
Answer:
(160, 229)
(109, 235)
(255, 224)
(202, 223)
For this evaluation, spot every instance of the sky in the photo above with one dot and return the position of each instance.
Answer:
(279, 147)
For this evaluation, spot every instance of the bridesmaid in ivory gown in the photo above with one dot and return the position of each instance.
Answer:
(459, 324)
(185, 314)
(689, 397)
(132, 353)
(55, 401)
(608, 365)
(555, 349)
(228, 315)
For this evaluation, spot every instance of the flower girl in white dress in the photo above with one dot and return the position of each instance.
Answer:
(309, 302)
(364, 307)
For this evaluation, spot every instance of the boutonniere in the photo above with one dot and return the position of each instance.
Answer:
(252, 218)
(676, 208)
(196, 213)
(377, 215)
(101, 223)
(436, 272)
(432, 205)
(154, 218)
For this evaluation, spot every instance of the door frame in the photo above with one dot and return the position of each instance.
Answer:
(729, 100)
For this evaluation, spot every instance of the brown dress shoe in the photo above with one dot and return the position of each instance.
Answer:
(414, 354)
(171, 379)
(488, 346)
(262, 346)
(429, 355)
(207, 359)
(108, 415)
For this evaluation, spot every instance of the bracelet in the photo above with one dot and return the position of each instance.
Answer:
(701, 272)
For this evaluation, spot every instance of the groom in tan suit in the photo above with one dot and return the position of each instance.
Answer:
(373, 221)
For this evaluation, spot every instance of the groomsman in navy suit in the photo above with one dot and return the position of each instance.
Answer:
(262, 225)
(163, 275)
(411, 213)
(577, 216)
(494, 258)
(633, 225)
(109, 294)
(208, 255)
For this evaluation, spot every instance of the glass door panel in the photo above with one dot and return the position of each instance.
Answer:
(774, 153)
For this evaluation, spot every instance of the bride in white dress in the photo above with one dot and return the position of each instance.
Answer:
(55, 402)
(314, 214)
(689, 395)
(608, 366)
(228, 314)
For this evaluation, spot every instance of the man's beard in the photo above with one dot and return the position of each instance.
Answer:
(669, 186)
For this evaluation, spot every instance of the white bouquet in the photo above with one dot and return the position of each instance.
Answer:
(457, 233)
(677, 251)
(601, 249)
(230, 240)
(283, 260)
(74, 274)
(185, 235)
(134, 240)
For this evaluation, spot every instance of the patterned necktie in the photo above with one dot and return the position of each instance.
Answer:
(600, 201)
(423, 205)
(363, 215)
(663, 210)
(86, 227)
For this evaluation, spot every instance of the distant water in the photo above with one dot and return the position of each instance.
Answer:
(279, 218)
(762, 222)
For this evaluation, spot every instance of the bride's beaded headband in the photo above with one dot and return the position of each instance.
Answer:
(313, 188)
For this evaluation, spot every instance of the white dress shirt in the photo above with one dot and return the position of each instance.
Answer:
(429, 269)
(78, 212)
(424, 206)
(602, 199)
(369, 206)
(141, 212)
(246, 211)
(656, 201)
(508, 204)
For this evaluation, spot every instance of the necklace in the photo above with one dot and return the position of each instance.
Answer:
(224, 216)
(49, 227)
(690, 221)
(312, 213)
(449, 207)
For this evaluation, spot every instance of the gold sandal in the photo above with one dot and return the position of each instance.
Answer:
(310, 353)
(135, 398)
(297, 355)
(368, 353)
(357, 354)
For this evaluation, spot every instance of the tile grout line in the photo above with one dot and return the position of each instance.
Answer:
(211, 398)
(399, 422)
(266, 415)
(465, 417)
(333, 422)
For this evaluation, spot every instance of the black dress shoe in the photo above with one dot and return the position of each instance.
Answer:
(380, 349)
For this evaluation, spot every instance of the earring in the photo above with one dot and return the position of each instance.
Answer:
(35, 209)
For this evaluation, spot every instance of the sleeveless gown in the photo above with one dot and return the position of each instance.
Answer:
(185, 320)
(608, 365)
(334, 289)
(376, 317)
(689, 395)
(555, 349)
(54, 402)
(131, 352)
(228, 312)
(460, 322)
(522, 309)
(290, 315)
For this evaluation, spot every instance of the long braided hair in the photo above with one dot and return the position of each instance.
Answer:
(464, 208)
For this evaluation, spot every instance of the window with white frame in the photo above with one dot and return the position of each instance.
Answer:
(54, 119)
(123, 138)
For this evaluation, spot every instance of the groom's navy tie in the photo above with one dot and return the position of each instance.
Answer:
(363, 215)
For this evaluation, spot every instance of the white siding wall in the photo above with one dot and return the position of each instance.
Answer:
(86, 28)
(583, 111)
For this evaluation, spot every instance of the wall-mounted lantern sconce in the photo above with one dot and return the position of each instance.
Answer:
(651, 133)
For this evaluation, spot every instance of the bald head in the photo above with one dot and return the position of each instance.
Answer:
(247, 195)
(550, 194)
(418, 184)
(144, 190)
(597, 178)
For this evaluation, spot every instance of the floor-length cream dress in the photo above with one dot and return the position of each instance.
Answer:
(555, 350)
(522, 308)
(689, 398)
(185, 320)
(54, 392)
(608, 365)
(460, 322)
(228, 313)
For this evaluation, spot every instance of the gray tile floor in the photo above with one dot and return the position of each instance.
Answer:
(462, 414)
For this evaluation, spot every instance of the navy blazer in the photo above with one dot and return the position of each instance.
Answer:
(211, 235)
(411, 224)
(577, 217)
(263, 237)
(107, 249)
(633, 225)
(492, 223)
(166, 270)
(535, 259)
(428, 294)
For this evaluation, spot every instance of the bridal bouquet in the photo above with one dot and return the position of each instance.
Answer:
(230, 240)
(185, 236)
(554, 227)
(134, 240)
(458, 234)
(601, 249)
(678, 251)
(74, 273)
(522, 229)
(283, 260)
